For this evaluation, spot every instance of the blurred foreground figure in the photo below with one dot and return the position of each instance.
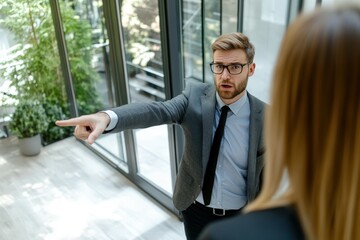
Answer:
(312, 136)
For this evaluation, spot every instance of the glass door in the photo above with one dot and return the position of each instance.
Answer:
(143, 51)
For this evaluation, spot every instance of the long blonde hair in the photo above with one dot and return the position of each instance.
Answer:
(313, 124)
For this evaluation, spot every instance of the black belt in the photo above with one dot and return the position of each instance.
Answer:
(217, 211)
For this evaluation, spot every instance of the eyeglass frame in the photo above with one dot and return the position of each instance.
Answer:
(227, 67)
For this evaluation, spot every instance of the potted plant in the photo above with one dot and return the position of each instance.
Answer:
(27, 122)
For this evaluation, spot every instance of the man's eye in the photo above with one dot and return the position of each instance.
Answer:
(218, 66)
(236, 66)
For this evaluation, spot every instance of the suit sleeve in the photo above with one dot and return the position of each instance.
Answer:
(148, 114)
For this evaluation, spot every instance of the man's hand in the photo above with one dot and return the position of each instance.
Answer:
(87, 127)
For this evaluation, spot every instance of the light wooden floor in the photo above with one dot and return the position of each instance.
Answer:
(67, 192)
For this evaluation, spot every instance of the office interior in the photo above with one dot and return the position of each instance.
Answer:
(147, 50)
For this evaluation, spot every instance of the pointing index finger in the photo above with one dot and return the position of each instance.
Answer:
(71, 122)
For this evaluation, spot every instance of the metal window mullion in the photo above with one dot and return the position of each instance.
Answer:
(240, 20)
(119, 74)
(64, 59)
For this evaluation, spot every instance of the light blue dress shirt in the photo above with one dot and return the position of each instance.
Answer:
(229, 191)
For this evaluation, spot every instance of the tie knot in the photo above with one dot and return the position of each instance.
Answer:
(224, 109)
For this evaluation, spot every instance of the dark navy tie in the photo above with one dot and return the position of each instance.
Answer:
(214, 152)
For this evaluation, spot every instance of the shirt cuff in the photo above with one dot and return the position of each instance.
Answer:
(113, 119)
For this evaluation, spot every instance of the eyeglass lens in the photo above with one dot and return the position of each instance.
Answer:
(232, 69)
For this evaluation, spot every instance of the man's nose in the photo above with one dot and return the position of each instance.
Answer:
(225, 74)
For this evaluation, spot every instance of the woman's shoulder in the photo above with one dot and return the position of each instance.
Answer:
(273, 223)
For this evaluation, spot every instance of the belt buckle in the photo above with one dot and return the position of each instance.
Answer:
(219, 214)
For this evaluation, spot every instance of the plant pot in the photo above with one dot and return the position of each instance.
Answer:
(30, 146)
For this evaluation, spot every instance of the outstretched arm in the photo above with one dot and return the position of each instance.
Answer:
(87, 127)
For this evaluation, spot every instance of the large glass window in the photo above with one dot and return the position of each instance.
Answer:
(200, 26)
(88, 49)
(192, 39)
(212, 30)
(265, 23)
(141, 29)
(229, 16)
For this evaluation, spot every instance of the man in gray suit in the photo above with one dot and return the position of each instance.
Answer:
(197, 110)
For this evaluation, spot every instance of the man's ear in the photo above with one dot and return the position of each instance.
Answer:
(251, 69)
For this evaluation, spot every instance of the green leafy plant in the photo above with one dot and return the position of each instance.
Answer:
(54, 133)
(28, 119)
(34, 68)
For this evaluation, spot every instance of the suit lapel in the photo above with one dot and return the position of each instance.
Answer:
(254, 130)
(208, 113)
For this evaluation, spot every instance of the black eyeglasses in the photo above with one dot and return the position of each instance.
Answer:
(233, 69)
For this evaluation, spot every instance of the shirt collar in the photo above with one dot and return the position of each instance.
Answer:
(235, 107)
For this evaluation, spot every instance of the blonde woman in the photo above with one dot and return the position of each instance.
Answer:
(312, 135)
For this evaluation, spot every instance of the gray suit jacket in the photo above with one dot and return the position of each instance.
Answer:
(194, 111)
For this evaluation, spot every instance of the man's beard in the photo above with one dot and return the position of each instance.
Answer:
(232, 94)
